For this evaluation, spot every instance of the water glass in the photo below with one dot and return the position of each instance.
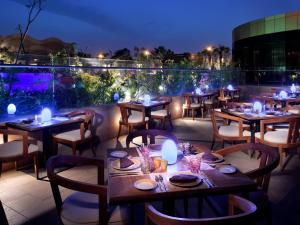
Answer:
(163, 165)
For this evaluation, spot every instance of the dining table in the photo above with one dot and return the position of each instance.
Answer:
(199, 96)
(122, 190)
(253, 118)
(275, 100)
(46, 128)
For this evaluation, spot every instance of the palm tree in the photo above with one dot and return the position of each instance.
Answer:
(221, 51)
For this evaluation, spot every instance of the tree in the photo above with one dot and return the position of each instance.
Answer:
(123, 54)
(221, 52)
(34, 9)
(163, 54)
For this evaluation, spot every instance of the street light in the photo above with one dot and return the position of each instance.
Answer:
(210, 49)
(147, 53)
(101, 56)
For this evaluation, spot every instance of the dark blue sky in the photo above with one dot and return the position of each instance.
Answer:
(101, 25)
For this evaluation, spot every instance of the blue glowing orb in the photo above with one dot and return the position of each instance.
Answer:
(293, 88)
(169, 151)
(230, 87)
(283, 95)
(116, 96)
(46, 115)
(147, 99)
(257, 107)
(11, 109)
(198, 91)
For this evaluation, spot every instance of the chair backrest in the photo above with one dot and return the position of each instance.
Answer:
(126, 110)
(226, 118)
(245, 216)
(293, 130)
(56, 180)
(88, 116)
(152, 133)
(20, 133)
(222, 93)
(269, 160)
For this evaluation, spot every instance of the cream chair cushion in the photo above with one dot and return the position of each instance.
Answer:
(73, 135)
(15, 148)
(277, 136)
(294, 111)
(233, 123)
(208, 102)
(192, 105)
(82, 208)
(136, 117)
(231, 131)
(160, 113)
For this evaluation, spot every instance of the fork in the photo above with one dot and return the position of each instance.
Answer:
(162, 181)
(158, 182)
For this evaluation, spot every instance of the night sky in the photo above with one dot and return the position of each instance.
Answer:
(182, 25)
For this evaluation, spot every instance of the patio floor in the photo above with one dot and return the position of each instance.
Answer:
(29, 201)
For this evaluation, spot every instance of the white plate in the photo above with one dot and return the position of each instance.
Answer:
(220, 159)
(136, 164)
(145, 184)
(227, 169)
(118, 154)
(191, 184)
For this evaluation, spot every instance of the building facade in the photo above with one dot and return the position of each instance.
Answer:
(268, 49)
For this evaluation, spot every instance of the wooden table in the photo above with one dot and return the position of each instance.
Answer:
(121, 189)
(253, 119)
(275, 100)
(198, 96)
(148, 107)
(46, 129)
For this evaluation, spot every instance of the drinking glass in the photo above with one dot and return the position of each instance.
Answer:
(195, 164)
(163, 165)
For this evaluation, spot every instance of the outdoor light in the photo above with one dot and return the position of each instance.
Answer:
(198, 91)
(127, 96)
(209, 48)
(100, 56)
(257, 107)
(283, 95)
(293, 88)
(46, 115)
(116, 96)
(230, 87)
(161, 87)
(147, 99)
(146, 53)
(11, 109)
(169, 151)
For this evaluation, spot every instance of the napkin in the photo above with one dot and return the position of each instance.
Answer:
(183, 178)
(125, 162)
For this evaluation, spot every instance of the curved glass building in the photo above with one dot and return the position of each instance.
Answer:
(269, 49)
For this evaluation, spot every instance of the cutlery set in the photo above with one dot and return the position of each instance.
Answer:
(160, 181)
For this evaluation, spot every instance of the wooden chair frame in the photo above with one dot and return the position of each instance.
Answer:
(152, 133)
(125, 109)
(167, 108)
(246, 217)
(34, 155)
(188, 102)
(269, 160)
(226, 118)
(293, 136)
(56, 180)
(87, 124)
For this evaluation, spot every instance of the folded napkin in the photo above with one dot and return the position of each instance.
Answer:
(209, 157)
(125, 162)
(183, 178)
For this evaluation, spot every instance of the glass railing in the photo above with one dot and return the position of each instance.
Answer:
(31, 88)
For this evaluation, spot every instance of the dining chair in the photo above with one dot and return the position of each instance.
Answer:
(83, 135)
(88, 204)
(268, 160)
(240, 211)
(283, 139)
(163, 114)
(12, 151)
(132, 115)
(236, 95)
(151, 134)
(233, 128)
(223, 97)
(191, 104)
(209, 104)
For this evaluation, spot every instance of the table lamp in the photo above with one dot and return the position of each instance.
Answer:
(147, 99)
(283, 95)
(169, 151)
(46, 115)
(257, 107)
(230, 87)
(11, 109)
(293, 88)
(198, 91)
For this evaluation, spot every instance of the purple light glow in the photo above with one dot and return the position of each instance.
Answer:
(30, 82)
